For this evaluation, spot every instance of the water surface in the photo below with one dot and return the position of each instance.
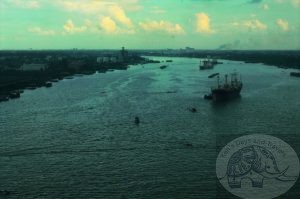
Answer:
(77, 139)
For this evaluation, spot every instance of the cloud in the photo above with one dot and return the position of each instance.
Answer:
(295, 3)
(26, 4)
(203, 23)
(111, 14)
(282, 24)
(164, 26)
(108, 25)
(69, 27)
(265, 6)
(255, 24)
(41, 31)
(119, 15)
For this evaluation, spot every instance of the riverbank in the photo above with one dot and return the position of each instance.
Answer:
(56, 66)
(282, 59)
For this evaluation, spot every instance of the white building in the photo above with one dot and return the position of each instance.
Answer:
(107, 59)
(33, 67)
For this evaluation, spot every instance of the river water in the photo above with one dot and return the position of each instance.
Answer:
(77, 139)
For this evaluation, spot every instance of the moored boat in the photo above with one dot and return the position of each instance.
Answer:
(54, 80)
(14, 94)
(48, 84)
(295, 74)
(4, 97)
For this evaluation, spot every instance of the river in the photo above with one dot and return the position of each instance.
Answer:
(78, 139)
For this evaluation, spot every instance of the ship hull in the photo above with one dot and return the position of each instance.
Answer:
(220, 95)
(206, 67)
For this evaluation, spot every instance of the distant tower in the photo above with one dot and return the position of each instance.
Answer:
(124, 55)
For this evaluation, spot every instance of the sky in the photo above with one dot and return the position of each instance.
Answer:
(150, 24)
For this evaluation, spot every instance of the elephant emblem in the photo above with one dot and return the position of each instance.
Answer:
(255, 163)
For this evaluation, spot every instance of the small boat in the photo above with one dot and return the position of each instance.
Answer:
(192, 109)
(136, 120)
(169, 60)
(48, 84)
(4, 193)
(295, 74)
(4, 98)
(163, 66)
(69, 77)
(54, 80)
(30, 87)
(14, 94)
(78, 75)
(213, 75)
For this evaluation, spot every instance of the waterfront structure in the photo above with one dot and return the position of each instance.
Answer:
(33, 67)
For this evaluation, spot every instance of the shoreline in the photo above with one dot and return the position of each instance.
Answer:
(281, 59)
(13, 83)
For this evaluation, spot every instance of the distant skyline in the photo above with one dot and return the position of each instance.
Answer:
(150, 24)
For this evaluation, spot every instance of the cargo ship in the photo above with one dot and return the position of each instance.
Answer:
(206, 64)
(230, 89)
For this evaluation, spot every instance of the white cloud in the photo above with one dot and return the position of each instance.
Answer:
(295, 3)
(265, 6)
(164, 26)
(283, 24)
(108, 25)
(100, 8)
(69, 27)
(41, 31)
(119, 15)
(203, 23)
(255, 25)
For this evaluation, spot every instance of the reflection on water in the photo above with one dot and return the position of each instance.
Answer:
(78, 139)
